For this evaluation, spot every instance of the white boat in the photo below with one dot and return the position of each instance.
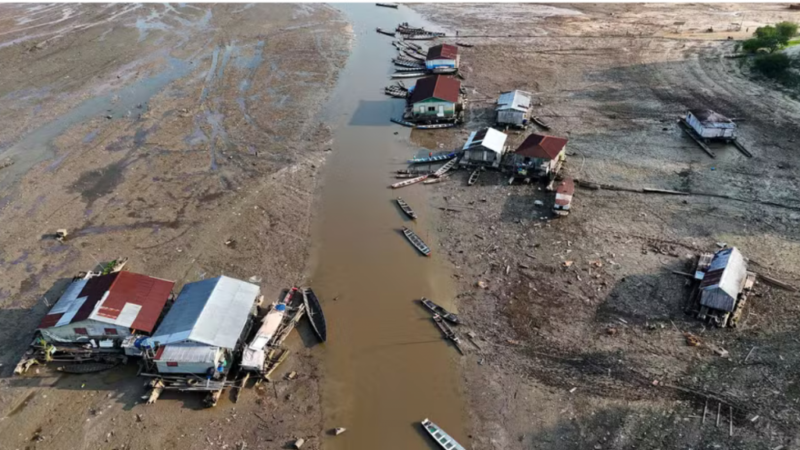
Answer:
(443, 439)
(269, 327)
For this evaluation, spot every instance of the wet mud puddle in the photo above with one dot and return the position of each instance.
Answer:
(386, 364)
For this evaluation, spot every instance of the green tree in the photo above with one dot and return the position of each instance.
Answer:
(786, 30)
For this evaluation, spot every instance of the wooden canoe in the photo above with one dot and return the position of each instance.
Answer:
(387, 33)
(436, 309)
(408, 74)
(464, 44)
(387, 5)
(416, 241)
(448, 332)
(405, 183)
(314, 313)
(539, 122)
(406, 209)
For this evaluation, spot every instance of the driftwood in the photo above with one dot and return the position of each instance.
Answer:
(610, 187)
(776, 282)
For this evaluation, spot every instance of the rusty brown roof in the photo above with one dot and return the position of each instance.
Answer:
(442, 51)
(437, 86)
(541, 146)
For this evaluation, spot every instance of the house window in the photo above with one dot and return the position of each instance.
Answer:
(172, 364)
(81, 331)
(431, 108)
(110, 331)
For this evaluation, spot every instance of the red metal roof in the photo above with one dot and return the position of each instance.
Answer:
(119, 289)
(437, 86)
(50, 320)
(442, 51)
(541, 146)
(150, 293)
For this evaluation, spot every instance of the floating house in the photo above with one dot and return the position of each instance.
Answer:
(514, 109)
(564, 193)
(538, 156)
(204, 327)
(442, 58)
(435, 98)
(711, 125)
(723, 280)
(104, 310)
(484, 148)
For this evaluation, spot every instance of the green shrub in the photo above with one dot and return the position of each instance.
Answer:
(772, 65)
(786, 30)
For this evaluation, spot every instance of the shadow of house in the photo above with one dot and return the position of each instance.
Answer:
(376, 113)
(17, 326)
(645, 298)
(520, 204)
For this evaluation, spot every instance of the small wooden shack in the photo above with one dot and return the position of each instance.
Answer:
(538, 156)
(564, 193)
(484, 148)
(435, 98)
(442, 58)
(514, 109)
(711, 125)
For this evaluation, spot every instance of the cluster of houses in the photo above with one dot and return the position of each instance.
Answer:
(106, 318)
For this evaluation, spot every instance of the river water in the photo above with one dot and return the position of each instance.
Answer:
(386, 364)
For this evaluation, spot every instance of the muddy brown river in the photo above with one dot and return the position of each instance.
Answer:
(387, 366)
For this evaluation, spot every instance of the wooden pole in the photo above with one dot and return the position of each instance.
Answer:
(705, 410)
(730, 418)
(719, 409)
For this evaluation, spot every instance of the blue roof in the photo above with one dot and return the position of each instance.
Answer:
(211, 312)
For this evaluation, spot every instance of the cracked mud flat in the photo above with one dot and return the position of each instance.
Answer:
(614, 79)
(157, 132)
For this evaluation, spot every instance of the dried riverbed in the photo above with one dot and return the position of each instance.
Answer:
(158, 132)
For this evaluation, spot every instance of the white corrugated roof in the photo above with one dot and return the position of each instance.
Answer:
(211, 312)
(518, 100)
(189, 353)
(492, 139)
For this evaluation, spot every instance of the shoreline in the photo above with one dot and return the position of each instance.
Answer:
(579, 322)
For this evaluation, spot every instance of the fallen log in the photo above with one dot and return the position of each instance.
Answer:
(775, 282)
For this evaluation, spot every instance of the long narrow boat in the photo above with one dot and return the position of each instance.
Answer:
(474, 176)
(435, 126)
(410, 69)
(432, 159)
(382, 31)
(408, 63)
(448, 332)
(416, 241)
(419, 37)
(406, 175)
(435, 180)
(443, 439)
(315, 316)
(464, 44)
(539, 122)
(436, 309)
(396, 93)
(445, 70)
(408, 74)
(406, 209)
(387, 5)
(405, 183)
(414, 55)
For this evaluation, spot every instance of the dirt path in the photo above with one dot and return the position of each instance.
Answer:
(582, 320)
(158, 132)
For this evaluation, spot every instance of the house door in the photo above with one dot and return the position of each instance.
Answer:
(441, 111)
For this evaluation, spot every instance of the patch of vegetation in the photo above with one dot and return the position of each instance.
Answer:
(771, 38)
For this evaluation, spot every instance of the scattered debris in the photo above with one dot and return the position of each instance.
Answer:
(299, 443)
(339, 430)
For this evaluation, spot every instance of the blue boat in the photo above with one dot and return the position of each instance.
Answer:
(433, 159)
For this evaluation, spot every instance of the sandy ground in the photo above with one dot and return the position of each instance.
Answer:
(582, 322)
(158, 132)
